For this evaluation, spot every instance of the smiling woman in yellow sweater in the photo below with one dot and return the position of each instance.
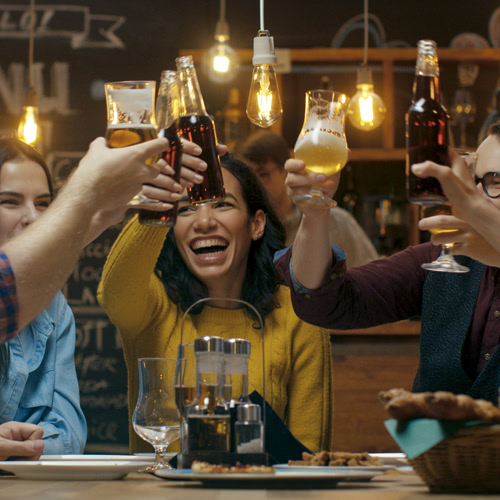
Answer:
(222, 249)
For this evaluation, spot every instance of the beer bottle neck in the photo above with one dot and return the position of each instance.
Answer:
(426, 87)
(191, 100)
(167, 105)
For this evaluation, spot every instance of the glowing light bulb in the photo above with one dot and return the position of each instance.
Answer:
(28, 126)
(221, 63)
(367, 110)
(264, 101)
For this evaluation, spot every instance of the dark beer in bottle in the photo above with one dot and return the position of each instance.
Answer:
(196, 126)
(426, 128)
(167, 117)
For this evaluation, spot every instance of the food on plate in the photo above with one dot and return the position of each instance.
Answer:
(336, 458)
(404, 405)
(205, 467)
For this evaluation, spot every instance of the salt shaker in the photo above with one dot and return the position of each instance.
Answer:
(249, 429)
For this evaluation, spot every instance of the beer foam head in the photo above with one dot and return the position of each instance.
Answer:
(130, 105)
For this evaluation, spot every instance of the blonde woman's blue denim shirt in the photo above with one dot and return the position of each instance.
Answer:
(42, 386)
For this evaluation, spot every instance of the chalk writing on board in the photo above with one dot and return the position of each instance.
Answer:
(84, 30)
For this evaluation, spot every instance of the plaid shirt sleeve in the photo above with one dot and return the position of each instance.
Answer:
(9, 306)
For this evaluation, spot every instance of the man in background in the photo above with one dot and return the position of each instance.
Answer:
(267, 152)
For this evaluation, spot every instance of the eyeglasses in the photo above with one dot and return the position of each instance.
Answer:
(491, 183)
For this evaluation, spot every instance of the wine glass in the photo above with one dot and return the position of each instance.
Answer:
(184, 383)
(322, 144)
(155, 416)
(131, 119)
(446, 262)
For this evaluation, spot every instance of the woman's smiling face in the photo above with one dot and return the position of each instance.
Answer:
(214, 238)
(24, 195)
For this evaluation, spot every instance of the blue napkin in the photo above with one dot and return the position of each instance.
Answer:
(417, 436)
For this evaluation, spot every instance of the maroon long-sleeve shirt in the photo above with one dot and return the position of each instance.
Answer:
(389, 290)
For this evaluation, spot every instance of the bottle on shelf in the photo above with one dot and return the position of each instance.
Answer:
(426, 127)
(493, 115)
(350, 196)
(167, 120)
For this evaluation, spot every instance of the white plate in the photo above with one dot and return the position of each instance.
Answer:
(283, 479)
(396, 459)
(149, 457)
(327, 468)
(73, 470)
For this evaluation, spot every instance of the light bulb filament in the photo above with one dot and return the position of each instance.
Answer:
(29, 128)
(221, 64)
(366, 108)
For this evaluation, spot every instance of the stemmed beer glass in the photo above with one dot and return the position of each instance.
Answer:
(131, 119)
(446, 262)
(322, 144)
(155, 416)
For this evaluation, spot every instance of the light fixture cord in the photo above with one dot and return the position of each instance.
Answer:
(262, 15)
(365, 48)
(222, 14)
(32, 43)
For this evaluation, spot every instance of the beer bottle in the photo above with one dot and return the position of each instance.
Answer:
(426, 127)
(167, 120)
(196, 126)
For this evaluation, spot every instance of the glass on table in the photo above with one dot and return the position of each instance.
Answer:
(155, 417)
(321, 143)
(131, 119)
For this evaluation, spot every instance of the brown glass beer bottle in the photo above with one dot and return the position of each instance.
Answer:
(196, 126)
(167, 119)
(426, 128)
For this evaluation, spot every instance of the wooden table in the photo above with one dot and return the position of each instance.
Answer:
(391, 486)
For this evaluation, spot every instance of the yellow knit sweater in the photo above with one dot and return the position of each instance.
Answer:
(297, 355)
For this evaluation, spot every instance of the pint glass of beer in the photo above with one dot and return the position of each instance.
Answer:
(131, 118)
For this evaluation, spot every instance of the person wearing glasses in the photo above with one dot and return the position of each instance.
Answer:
(475, 215)
(460, 313)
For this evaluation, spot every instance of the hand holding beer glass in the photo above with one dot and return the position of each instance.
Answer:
(322, 144)
(446, 262)
(131, 119)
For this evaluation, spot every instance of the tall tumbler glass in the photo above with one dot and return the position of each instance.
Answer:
(131, 119)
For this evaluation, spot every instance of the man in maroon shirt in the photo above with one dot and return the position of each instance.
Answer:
(460, 313)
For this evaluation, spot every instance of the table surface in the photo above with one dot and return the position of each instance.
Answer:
(394, 485)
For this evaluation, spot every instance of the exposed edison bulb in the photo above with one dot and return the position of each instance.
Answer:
(367, 110)
(221, 63)
(264, 101)
(28, 126)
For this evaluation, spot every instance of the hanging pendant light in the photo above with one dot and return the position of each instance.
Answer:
(264, 101)
(221, 61)
(366, 110)
(29, 130)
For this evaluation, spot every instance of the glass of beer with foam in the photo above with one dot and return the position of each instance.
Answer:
(131, 119)
(322, 144)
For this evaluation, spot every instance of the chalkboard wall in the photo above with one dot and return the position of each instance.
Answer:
(80, 44)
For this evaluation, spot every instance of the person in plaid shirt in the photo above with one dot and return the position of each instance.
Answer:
(9, 307)
(31, 235)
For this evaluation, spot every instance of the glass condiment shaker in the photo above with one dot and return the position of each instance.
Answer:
(249, 429)
(236, 355)
(208, 420)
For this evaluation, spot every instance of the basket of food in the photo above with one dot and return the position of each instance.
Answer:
(465, 453)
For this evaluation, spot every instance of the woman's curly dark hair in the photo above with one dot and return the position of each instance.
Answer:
(261, 280)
